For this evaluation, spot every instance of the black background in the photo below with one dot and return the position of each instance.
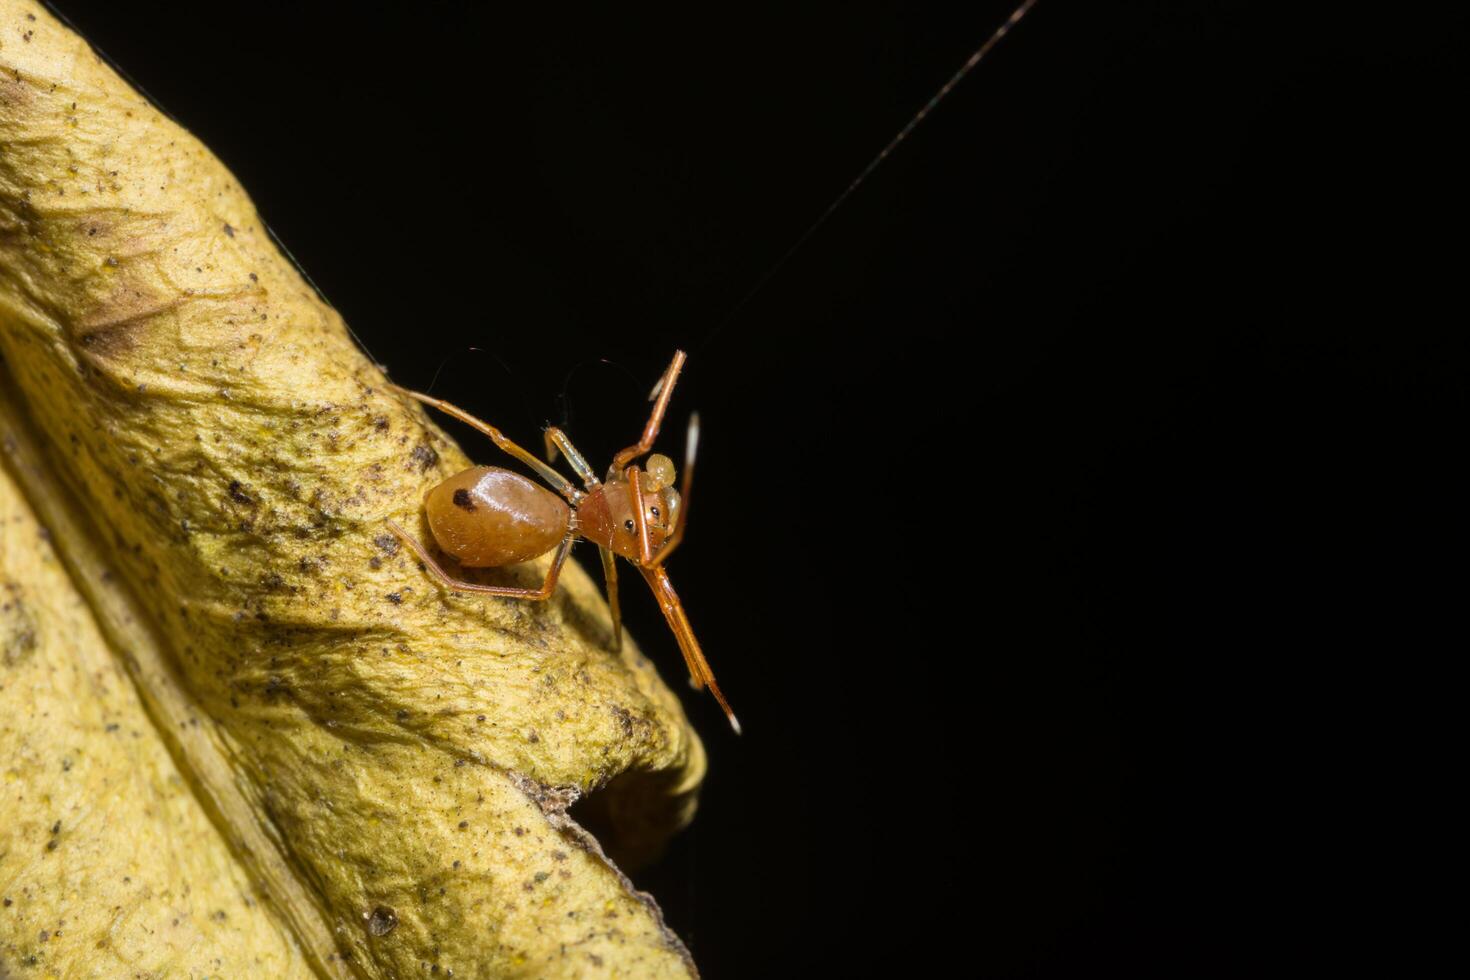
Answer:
(1075, 508)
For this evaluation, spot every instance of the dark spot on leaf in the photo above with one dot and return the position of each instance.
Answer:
(17, 633)
(424, 457)
(382, 921)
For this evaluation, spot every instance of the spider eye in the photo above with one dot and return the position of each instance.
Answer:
(628, 524)
(654, 512)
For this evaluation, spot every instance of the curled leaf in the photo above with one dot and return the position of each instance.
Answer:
(361, 772)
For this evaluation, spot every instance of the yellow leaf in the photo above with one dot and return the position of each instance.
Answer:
(324, 763)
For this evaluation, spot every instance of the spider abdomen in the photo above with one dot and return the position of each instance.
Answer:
(486, 516)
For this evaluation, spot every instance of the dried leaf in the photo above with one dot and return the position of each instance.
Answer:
(387, 764)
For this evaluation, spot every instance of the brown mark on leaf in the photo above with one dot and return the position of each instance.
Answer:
(116, 324)
(95, 227)
(424, 457)
(18, 637)
(14, 91)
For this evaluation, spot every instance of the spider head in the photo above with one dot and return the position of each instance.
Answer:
(609, 514)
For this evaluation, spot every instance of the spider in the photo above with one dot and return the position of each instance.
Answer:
(487, 517)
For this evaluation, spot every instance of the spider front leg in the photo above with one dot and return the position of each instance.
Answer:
(511, 592)
(640, 516)
(662, 394)
(700, 674)
(681, 520)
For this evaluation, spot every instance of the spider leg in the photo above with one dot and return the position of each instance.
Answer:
(640, 516)
(610, 574)
(455, 585)
(662, 393)
(699, 669)
(557, 439)
(691, 446)
(562, 485)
